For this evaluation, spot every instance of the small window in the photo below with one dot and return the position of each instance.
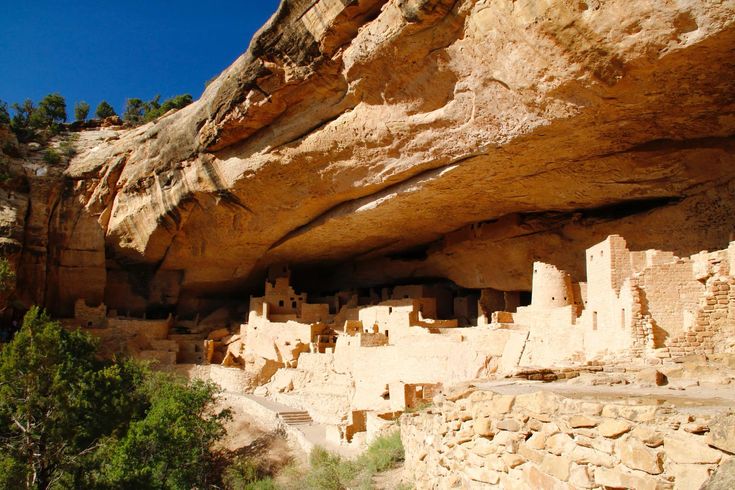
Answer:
(293, 304)
(553, 298)
(280, 303)
(390, 309)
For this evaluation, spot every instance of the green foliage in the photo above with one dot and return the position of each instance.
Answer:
(69, 420)
(81, 111)
(51, 111)
(178, 102)
(383, 453)
(170, 447)
(21, 121)
(68, 146)
(4, 114)
(246, 474)
(51, 156)
(105, 110)
(327, 471)
(135, 110)
(7, 276)
(56, 400)
(138, 111)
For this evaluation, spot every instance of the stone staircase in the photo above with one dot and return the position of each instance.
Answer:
(295, 418)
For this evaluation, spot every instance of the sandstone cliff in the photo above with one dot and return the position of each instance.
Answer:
(382, 140)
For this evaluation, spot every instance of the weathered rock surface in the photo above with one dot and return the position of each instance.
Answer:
(404, 138)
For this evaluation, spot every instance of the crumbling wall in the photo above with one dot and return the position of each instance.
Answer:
(542, 440)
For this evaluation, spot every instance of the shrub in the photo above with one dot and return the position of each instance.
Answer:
(21, 121)
(81, 111)
(246, 474)
(4, 114)
(51, 111)
(105, 110)
(56, 400)
(171, 447)
(135, 110)
(178, 102)
(69, 420)
(7, 276)
(67, 147)
(51, 156)
(383, 453)
(328, 471)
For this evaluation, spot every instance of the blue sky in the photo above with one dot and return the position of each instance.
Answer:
(113, 50)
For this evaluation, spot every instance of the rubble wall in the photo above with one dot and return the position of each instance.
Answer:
(478, 439)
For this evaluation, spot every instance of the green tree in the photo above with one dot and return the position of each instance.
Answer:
(50, 113)
(171, 447)
(21, 121)
(7, 282)
(81, 111)
(177, 102)
(56, 402)
(135, 110)
(105, 110)
(4, 114)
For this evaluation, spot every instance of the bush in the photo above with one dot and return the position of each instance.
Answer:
(21, 121)
(51, 156)
(105, 110)
(51, 112)
(4, 114)
(383, 453)
(135, 110)
(327, 471)
(171, 447)
(67, 147)
(81, 111)
(69, 420)
(246, 474)
(56, 400)
(178, 102)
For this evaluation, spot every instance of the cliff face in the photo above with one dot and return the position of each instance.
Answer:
(383, 140)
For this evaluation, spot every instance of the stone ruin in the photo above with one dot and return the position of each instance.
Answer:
(355, 361)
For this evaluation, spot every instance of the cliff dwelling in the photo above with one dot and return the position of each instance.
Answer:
(503, 229)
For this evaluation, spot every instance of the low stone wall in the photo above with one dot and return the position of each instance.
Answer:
(541, 440)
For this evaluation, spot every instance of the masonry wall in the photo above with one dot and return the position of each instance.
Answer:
(480, 439)
(671, 295)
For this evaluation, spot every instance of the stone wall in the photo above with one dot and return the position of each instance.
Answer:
(476, 439)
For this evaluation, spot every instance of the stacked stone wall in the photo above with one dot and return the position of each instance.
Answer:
(542, 440)
(714, 329)
(670, 290)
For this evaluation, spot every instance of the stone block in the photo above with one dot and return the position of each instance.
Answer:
(613, 428)
(722, 433)
(619, 478)
(482, 475)
(509, 425)
(556, 466)
(651, 377)
(584, 455)
(560, 443)
(692, 449)
(484, 427)
(687, 476)
(578, 421)
(579, 476)
(637, 456)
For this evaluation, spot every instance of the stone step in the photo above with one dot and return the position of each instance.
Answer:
(295, 418)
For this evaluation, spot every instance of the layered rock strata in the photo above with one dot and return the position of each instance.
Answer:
(407, 138)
